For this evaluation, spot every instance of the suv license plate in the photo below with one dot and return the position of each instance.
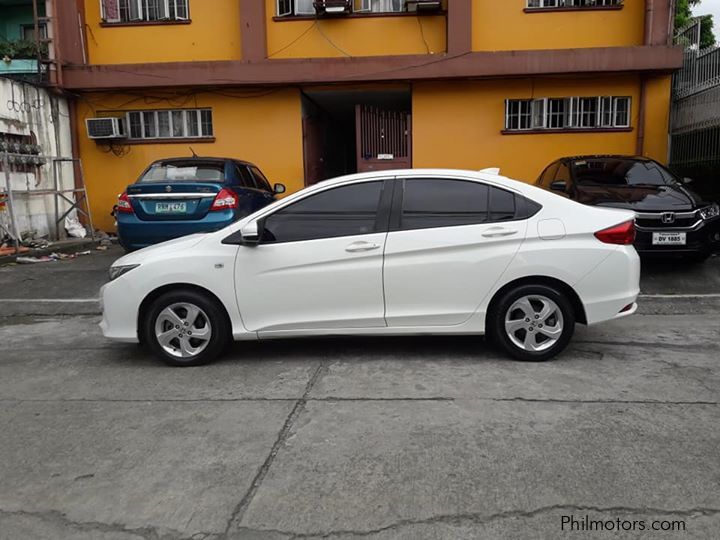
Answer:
(170, 208)
(669, 239)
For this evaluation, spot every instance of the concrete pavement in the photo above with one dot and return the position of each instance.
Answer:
(407, 438)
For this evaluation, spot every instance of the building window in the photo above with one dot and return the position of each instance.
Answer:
(572, 4)
(289, 8)
(166, 124)
(567, 113)
(28, 31)
(129, 11)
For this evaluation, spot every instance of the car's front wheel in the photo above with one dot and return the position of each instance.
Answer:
(532, 322)
(185, 328)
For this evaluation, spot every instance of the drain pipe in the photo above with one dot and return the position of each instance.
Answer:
(647, 41)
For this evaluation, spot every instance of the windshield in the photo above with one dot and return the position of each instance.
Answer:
(184, 172)
(620, 173)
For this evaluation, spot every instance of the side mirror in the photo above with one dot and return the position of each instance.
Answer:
(278, 189)
(558, 185)
(687, 180)
(248, 235)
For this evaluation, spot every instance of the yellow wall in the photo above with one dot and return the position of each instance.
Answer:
(657, 117)
(356, 36)
(265, 130)
(214, 34)
(508, 27)
(458, 125)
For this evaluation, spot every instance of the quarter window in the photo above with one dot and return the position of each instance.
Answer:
(342, 211)
(165, 124)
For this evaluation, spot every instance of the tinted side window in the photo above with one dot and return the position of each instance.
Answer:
(245, 176)
(342, 211)
(502, 205)
(443, 203)
(260, 180)
(548, 176)
(563, 174)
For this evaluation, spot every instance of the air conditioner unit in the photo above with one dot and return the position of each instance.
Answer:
(424, 5)
(105, 128)
(333, 7)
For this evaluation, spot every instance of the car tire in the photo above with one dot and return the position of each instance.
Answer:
(532, 323)
(186, 328)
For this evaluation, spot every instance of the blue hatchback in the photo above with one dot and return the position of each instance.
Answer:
(180, 196)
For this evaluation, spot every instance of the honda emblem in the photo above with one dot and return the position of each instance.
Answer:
(667, 217)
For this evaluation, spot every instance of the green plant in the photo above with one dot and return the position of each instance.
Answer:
(22, 49)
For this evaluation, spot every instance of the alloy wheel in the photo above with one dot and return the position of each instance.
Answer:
(534, 323)
(183, 330)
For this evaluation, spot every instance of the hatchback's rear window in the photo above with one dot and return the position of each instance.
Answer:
(184, 172)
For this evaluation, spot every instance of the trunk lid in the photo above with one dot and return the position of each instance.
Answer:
(172, 201)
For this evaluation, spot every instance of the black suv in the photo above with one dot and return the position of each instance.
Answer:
(670, 218)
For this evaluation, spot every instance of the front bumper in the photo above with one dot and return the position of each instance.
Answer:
(119, 312)
(702, 238)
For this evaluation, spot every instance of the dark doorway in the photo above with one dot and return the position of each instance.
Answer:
(349, 131)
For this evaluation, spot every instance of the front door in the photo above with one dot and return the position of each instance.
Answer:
(383, 139)
(450, 243)
(319, 263)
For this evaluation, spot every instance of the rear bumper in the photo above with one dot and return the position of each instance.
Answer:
(702, 239)
(134, 233)
(611, 287)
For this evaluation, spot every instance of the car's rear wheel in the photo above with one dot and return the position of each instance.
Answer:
(185, 328)
(532, 322)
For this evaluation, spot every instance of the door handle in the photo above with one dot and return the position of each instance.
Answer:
(497, 232)
(357, 247)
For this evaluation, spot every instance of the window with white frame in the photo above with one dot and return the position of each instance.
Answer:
(170, 124)
(572, 3)
(289, 8)
(567, 113)
(128, 11)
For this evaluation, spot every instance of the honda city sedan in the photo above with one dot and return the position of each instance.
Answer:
(384, 253)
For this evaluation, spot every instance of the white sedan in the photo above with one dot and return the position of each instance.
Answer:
(384, 253)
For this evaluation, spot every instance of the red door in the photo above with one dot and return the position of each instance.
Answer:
(383, 139)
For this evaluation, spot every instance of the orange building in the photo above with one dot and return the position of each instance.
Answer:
(313, 89)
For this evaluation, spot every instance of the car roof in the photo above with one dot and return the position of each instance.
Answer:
(203, 158)
(604, 156)
(429, 174)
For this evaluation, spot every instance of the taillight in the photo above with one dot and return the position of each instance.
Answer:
(623, 234)
(124, 205)
(225, 200)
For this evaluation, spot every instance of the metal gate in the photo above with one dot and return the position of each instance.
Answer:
(384, 139)
(695, 113)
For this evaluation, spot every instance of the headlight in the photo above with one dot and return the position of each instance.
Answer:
(117, 271)
(710, 212)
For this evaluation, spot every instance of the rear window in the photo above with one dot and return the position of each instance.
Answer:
(620, 172)
(184, 172)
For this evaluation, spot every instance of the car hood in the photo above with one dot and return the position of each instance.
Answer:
(674, 198)
(137, 257)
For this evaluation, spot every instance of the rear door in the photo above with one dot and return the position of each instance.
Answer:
(450, 240)
(319, 263)
(177, 190)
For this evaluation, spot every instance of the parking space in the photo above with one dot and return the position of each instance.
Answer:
(430, 437)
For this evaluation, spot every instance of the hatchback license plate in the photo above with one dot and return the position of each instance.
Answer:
(170, 207)
(669, 239)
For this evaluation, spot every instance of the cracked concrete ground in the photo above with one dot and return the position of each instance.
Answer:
(407, 438)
